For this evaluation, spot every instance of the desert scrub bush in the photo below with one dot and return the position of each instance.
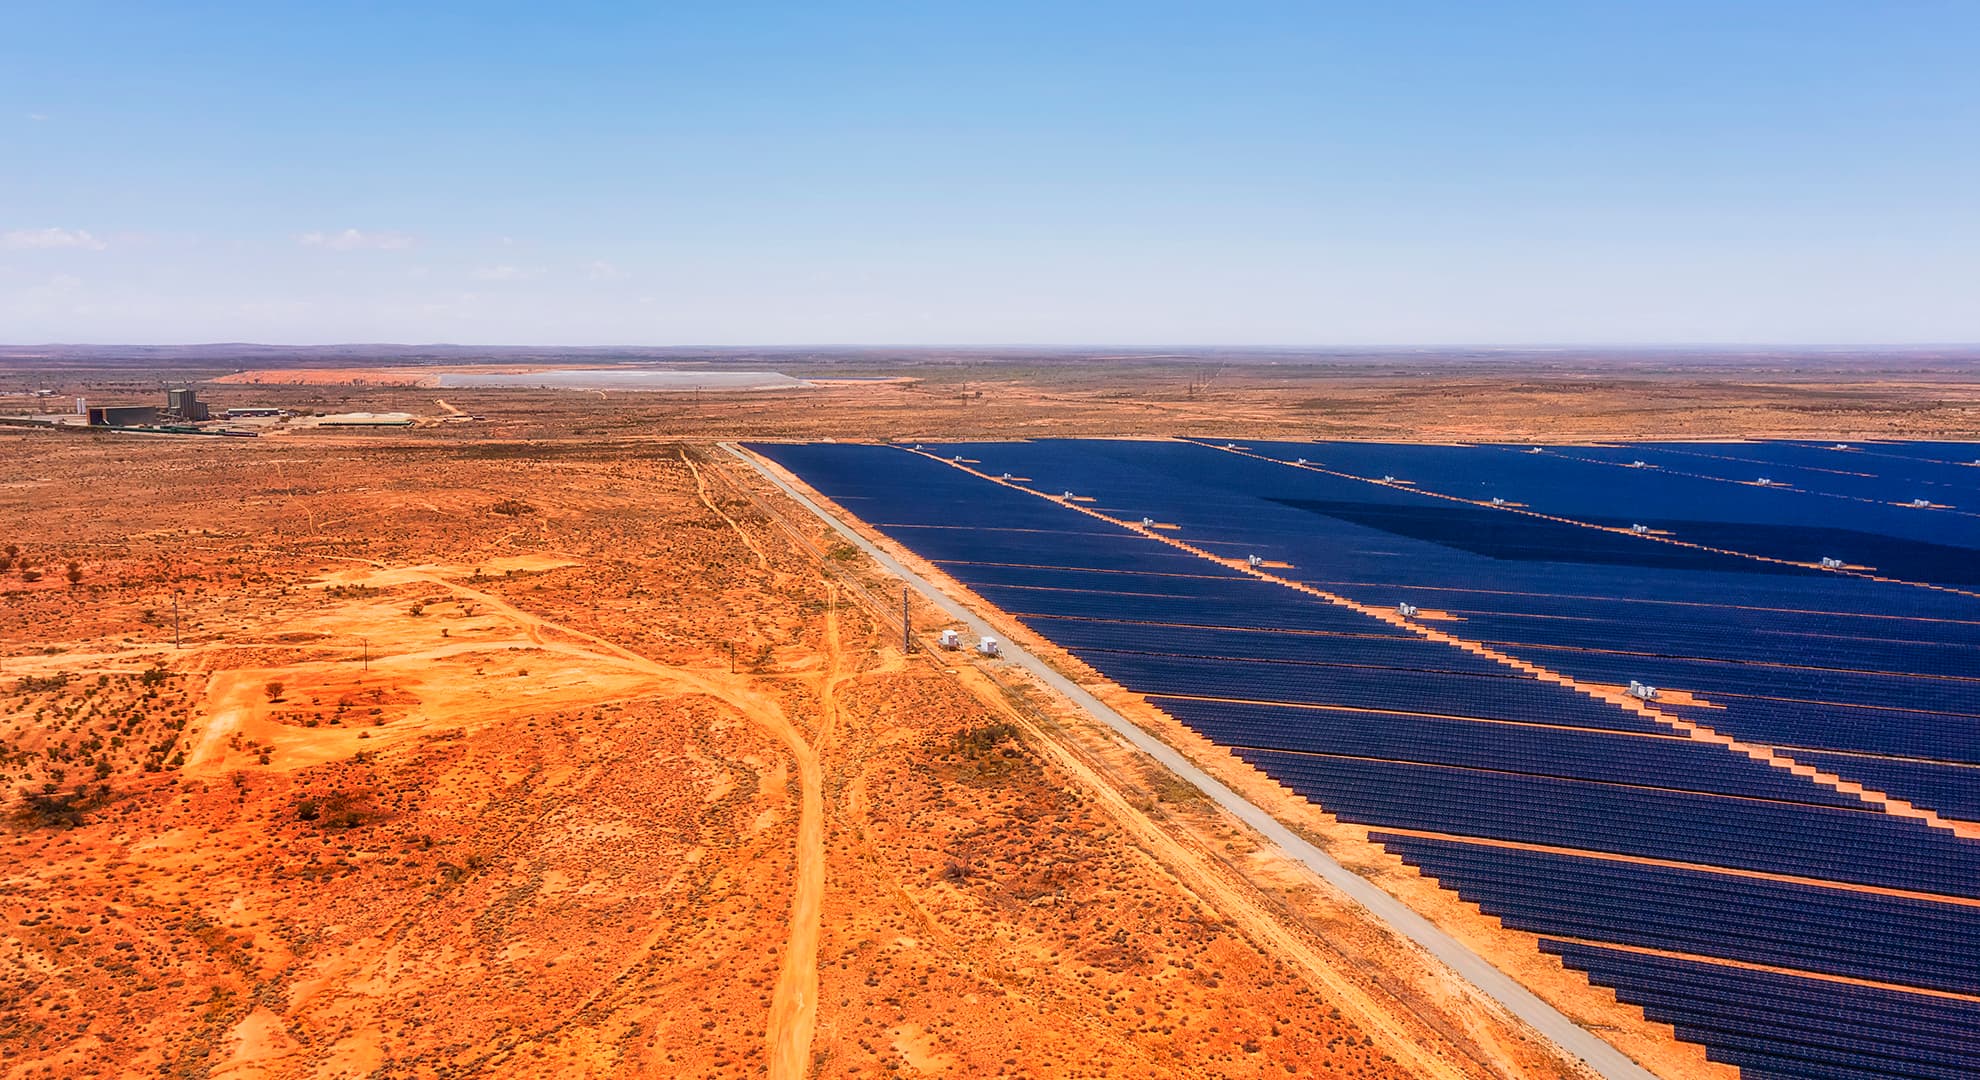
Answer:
(53, 808)
(1170, 788)
(41, 684)
(982, 741)
(988, 753)
(513, 508)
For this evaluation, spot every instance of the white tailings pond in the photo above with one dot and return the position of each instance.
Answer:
(625, 379)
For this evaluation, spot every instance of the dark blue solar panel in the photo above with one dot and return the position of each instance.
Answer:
(1765, 638)
(1773, 1025)
(1498, 697)
(1379, 647)
(1784, 924)
(1664, 761)
(1860, 846)
(1813, 725)
(1952, 790)
(1690, 495)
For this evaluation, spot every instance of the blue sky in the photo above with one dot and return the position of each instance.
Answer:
(1136, 173)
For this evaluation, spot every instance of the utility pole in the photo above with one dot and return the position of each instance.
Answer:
(175, 619)
(367, 653)
(907, 623)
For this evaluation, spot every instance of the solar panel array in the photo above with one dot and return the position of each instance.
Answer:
(1805, 904)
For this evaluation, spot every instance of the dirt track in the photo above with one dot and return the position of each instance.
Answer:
(795, 1010)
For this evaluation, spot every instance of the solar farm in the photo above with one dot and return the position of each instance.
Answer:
(1703, 718)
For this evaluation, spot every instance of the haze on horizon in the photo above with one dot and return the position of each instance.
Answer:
(864, 173)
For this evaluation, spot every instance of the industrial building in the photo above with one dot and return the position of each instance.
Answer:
(186, 406)
(181, 405)
(123, 415)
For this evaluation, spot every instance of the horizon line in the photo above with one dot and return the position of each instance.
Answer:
(1020, 345)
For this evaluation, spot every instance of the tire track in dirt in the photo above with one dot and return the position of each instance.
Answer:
(701, 490)
(230, 699)
(794, 1009)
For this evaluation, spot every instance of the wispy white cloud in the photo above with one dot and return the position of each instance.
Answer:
(505, 272)
(37, 117)
(600, 270)
(28, 239)
(354, 240)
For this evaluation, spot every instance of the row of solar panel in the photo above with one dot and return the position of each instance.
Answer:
(1928, 736)
(1952, 790)
(1829, 930)
(1790, 1027)
(1657, 614)
(1596, 482)
(1865, 847)
(1485, 697)
(1951, 452)
(1817, 471)
(1672, 762)
(1041, 549)
(1812, 473)
(1948, 695)
(1257, 606)
(1332, 648)
(1812, 482)
(1952, 464)
(1230, 591)
(1744, 641)
(1823, 463)
(1898, 541)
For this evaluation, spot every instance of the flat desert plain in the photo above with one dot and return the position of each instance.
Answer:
(561, 744)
